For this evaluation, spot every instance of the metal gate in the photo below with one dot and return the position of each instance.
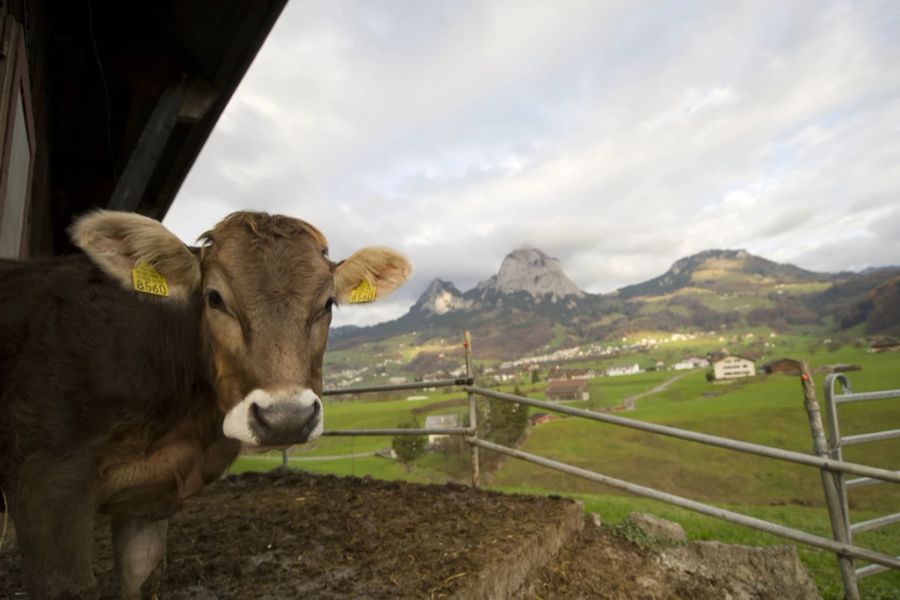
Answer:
(834, 482)
(832, 467)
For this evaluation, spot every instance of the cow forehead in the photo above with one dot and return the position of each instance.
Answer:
(269, 254)
(249, 226)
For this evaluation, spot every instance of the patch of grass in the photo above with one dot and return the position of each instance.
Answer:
(614, 509)
(632, 532)
(371, 466)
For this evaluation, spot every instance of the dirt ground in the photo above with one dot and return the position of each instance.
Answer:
(292, 535)
(604, 563)
(296, 535)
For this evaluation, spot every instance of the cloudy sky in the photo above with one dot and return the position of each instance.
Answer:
(616, 136)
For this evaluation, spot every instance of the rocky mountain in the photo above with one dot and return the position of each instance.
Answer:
(721, 270)
(439, 298)
(530, 271)
(527, 276)
(530, 304)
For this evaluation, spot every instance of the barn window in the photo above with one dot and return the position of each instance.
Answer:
(16, 141)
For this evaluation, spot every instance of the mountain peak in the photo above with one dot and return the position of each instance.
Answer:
(723, 270)
(440, 297)
(531, 271)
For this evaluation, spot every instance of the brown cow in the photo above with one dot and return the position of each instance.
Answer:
(130, 377)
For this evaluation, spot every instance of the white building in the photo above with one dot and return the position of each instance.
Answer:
(691, 363)
(440, 422)
(629, 370)
(733, 367)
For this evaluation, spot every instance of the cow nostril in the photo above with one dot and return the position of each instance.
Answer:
(257, 412)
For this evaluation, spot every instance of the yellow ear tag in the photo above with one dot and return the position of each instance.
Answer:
(364, 292)
(147, 280)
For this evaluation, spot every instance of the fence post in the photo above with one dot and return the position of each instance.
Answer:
(473, 419)
(832, 497)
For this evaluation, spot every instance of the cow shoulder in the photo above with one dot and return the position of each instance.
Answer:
(121, 243)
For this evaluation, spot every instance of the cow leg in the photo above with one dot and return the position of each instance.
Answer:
(139, 545)
(55, 536)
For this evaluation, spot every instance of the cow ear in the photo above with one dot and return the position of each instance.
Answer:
(369, 274)
(139, 253)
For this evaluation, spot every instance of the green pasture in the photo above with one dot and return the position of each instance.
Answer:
(766, 410)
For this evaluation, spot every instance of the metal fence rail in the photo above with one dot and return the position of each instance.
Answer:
(835, 483)
(416, 385)
(829, 462)
(700, 507)
(703, 438)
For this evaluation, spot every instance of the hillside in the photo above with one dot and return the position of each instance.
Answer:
(530, 306)
(723, 271)
(879, 309)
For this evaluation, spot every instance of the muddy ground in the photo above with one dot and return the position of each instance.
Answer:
(292, 535)
(295, 535)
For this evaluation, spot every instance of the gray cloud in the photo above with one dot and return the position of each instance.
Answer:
(615, 136)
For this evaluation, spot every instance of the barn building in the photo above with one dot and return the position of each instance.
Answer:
(567, 390)
(106, 104)
(885, 344)
(734, 367)
(782, 366)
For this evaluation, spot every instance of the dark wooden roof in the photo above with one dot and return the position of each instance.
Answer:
(125, 95)
(558, 386)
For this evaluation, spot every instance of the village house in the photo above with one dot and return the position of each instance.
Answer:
(693, 362)
(839, 368)
(734, 367)
(440, 422)
(559, 373)
(714, 357)
(502, 375)
(539, 418)
(565, 390)
(626, 370)
(885, 344)
(782, 366)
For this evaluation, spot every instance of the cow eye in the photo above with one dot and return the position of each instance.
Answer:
(214, 300)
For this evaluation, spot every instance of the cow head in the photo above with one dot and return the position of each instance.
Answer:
(267, 288)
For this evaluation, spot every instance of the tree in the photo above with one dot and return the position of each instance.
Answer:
(409, 447)
(506, 421)
(535, 376)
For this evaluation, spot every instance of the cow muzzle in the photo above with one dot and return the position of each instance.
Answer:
(275, 419)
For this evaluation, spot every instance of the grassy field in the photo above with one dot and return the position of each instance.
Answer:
(765, 410)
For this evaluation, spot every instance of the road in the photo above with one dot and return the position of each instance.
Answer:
(630, 403)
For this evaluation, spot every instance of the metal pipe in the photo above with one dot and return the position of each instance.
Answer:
(864, 482)
(706, 509)
(835, 444)
(703, 438)
(866, 396)
(473, 417)
(835, 500)
(871, 570)
(875, 523)
(876, 436)
(434, 431)
(415, 385)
